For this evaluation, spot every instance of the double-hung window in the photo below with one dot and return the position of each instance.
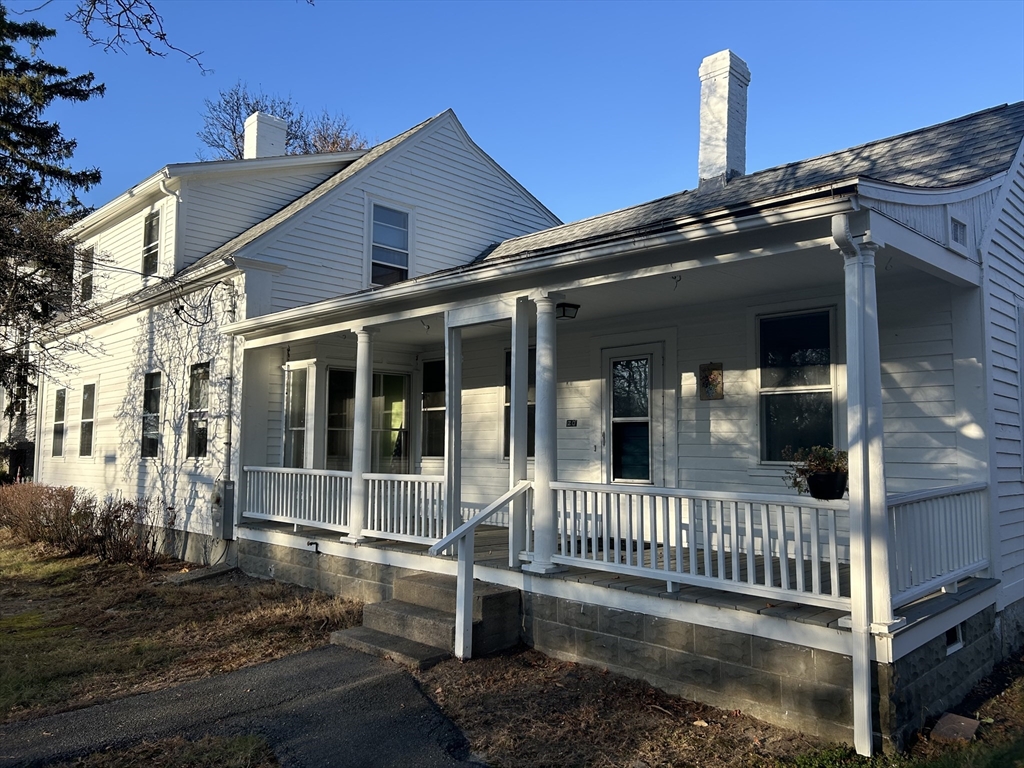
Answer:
(389, 429)
(88, 417)
(151, 415)
(295, 418)
(389, 257)
(796, 377)
(531, 402)
(198, 409)
(85, 284)
(59, 403)
(151, 244)
(433, 408)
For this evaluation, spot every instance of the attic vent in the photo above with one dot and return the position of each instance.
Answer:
(958, 232)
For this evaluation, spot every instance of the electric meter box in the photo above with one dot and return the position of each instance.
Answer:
(222, 507)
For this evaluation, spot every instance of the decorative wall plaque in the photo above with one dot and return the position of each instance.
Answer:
(711, 382)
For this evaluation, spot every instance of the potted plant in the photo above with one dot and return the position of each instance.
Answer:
(821, 471)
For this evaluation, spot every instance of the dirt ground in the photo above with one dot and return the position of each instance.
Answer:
(74, 632)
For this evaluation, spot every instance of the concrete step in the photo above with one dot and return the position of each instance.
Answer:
(406, 652)
(414, 622)
(437, 591)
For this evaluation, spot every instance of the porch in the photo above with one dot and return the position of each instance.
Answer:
(768, 552)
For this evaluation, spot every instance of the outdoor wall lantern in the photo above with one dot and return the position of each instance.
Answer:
(564, 309)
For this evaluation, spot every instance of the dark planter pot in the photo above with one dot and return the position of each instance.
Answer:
(827, 486)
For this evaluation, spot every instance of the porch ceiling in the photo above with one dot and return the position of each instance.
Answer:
(805, 272)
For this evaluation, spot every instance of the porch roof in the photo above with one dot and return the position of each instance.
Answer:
(951, 154)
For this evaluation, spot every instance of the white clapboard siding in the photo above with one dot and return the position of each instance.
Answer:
(933, 220)
(117, 269)
(116, 358)
(218, 208)
(1004, 259)
(460, 204)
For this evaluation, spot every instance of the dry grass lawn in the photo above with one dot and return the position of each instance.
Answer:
(74, 632)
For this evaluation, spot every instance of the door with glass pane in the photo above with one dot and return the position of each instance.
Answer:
(389, 427)
(630, 431)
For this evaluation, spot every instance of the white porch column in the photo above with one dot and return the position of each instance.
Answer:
(871, 610)
(453, 425)
(545, 468)
(361, 431)
(518, 423)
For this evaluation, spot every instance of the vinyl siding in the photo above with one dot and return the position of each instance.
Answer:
(1004, 262)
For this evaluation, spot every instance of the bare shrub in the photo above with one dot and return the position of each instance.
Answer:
(125, 531)
(68, 515)
(21, 510)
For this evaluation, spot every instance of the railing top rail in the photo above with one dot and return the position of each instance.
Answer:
(897, 499)
(683, 493)
(291, 471)
(484, 514)
(405, 477)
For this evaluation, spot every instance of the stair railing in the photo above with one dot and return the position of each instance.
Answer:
(463, 537)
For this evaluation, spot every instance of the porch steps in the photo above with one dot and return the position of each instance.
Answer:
(417, 626)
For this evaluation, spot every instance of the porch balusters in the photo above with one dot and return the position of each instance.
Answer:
(545, 442)
(361, 431)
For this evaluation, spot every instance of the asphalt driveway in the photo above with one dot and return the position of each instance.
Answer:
(326, 707)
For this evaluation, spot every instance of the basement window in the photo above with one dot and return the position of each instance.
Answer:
(954, 639)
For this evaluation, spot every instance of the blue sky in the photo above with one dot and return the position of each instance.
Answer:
(592, 106)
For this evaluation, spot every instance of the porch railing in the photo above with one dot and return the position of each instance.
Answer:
(310, 497)
(406, 507)
(776, 547)
(937, 537)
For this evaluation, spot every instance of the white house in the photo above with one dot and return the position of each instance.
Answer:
(153, 406)
(595, 415)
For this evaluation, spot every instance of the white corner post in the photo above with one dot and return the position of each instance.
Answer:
(453, 426)
(545, 467)
(518, 424)
(871, 603)
(361, 432)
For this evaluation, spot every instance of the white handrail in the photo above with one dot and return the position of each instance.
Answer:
(464, 580)
(471, 524)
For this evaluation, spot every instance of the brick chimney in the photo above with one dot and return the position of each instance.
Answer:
(724, 78)
(265, 136)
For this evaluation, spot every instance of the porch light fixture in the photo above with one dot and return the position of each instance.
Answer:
(564, 309)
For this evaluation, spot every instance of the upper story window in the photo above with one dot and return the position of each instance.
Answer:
(59, 402)
(85, 277)
(198, 409)
(88, 417)
(389, 257)
(151, 244)
(151, 415)
(796, 380)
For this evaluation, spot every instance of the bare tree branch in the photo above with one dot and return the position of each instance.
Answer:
(117, 25)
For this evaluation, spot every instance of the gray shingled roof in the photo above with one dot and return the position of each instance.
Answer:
(234, 245)
(950, 154)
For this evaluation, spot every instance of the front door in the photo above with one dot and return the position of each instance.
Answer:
(632, 434)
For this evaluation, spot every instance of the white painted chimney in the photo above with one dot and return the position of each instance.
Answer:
(724, 78)
(265, 136)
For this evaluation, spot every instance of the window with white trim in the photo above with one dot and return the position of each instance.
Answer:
(85, 278)
(59, 405)
(389, 250)
(531, 402)
(88, 418)
(796, 395)
(151, 244)
(295, 417)
(433, 408)
(198, 409)
(150, 447)
(630, 387)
